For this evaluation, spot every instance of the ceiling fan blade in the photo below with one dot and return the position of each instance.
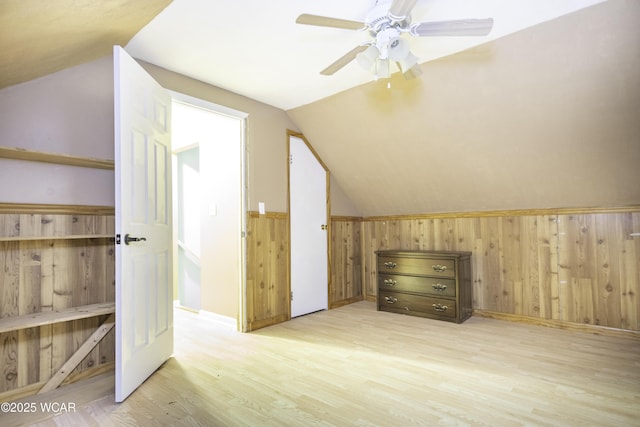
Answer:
(400, 9)
(462, 27)
(325, 21)
(344, 60)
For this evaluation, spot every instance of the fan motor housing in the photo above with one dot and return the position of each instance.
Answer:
(378, 19)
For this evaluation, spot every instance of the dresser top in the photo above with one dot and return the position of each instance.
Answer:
(424, 254)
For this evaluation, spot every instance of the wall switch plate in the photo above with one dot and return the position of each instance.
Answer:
(261, 209)
(213, 209)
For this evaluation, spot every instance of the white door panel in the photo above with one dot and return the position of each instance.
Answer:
(308, 215)
(144, 316)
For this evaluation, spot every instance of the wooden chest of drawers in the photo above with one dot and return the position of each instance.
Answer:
(425, 283)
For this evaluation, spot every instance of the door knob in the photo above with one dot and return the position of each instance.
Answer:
(128, 239)
(324, 226)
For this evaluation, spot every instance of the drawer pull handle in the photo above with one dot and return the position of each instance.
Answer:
(390, 264)
(390, 282)
(439, 287)
(439, 307)
(439, 268)
(391, 300)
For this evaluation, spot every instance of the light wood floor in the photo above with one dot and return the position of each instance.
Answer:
(356, 366)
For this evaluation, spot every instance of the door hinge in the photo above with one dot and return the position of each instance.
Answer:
(290, 159)
(117, 239)
(291, 295)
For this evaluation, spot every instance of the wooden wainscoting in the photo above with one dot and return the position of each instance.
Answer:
(268, 266)
(267, 297)
(346, 261)
(580, 266)
(49, 263)
(599, 269)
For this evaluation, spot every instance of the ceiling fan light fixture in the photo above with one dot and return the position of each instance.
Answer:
(398, 49)
(382, 69)
(387, 21)
(409, 66)
(413, 72)
(367, 59)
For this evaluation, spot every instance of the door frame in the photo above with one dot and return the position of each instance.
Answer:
(241, 320)
(291, 133)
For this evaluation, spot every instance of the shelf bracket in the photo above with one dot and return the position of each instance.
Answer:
(79, 355)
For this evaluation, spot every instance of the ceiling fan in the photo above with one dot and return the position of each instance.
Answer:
(387, 21)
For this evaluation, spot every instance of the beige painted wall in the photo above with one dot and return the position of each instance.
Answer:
(547, 117)
(340, 202)
(68, 112)
(266, 137)
(71, 112)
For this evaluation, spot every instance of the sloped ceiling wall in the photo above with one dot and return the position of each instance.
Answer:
(547, 117)
(41, 37)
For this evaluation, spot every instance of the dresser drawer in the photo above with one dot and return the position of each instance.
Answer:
(411, 304)
(424, 285)
(424, 266)
(432, 284)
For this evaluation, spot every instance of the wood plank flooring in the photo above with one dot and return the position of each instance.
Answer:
(354, 366)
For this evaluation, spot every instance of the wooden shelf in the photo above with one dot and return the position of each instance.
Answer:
(70, 237)
(44, 209)
(32, 320)
(60, 159)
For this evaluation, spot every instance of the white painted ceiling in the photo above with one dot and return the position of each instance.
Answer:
(255, 48)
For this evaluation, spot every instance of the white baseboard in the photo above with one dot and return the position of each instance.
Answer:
(230, 322)
(227, 321)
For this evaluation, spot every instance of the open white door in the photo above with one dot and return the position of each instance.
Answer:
(308, 218)
(144, 316)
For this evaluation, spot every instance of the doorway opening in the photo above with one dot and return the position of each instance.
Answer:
(209, 152)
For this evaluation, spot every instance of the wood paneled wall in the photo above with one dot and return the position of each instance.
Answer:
(50, 274)
(599, 269)
(267, 294)
(346, 261)
(580, 268)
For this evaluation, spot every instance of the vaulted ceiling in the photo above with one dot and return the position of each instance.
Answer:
(547, 117)
(250, 47)
(543, 112)
(41, 37)
(255, 48)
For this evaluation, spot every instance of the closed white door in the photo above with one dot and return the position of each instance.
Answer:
(309, 232)
(144, 316)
